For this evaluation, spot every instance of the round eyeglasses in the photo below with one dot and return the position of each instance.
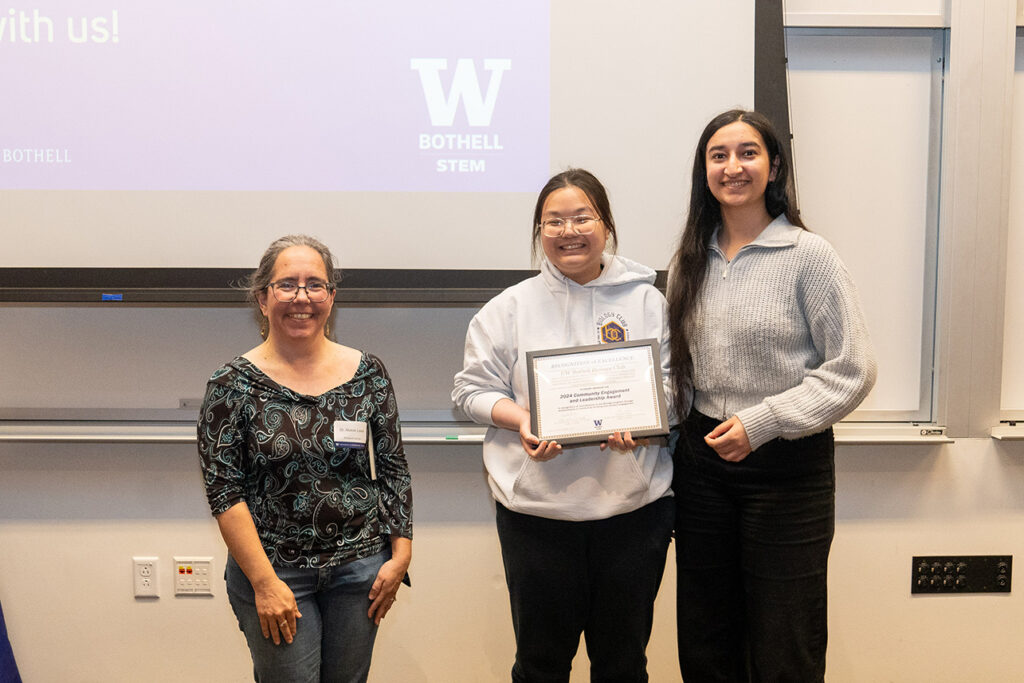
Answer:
(581, 225)
(285, 291)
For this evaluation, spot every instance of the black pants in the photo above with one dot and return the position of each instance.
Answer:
(598, 578)
(752, 544)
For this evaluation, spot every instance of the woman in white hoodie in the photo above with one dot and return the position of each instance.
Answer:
(584, 529)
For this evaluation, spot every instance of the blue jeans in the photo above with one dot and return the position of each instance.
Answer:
(752, 544)
(334, 638)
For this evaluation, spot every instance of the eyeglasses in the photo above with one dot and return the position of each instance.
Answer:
(581, 225)
(285, 291)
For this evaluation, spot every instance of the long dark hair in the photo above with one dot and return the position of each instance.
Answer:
(689, 264)
(592, 187)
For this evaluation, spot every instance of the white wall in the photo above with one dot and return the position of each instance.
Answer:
(71, 516)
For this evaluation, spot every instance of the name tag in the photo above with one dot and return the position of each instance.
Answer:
(349, 434)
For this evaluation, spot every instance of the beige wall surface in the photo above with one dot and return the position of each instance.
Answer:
(71, 517)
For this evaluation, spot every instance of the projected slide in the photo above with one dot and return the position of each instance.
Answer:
(270, 96)
(404, 133)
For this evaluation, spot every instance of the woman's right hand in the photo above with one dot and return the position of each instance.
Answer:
(508, 414)
(277, 609)
(534, 447)
(275, 602)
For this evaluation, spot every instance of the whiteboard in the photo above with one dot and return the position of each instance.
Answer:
(868, 13)
(1013, 322)
(866, 6)
(191, 134)
(98, 359)
(865, 125)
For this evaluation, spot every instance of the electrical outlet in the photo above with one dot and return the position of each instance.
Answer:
(144, 577)
(961, 574)
(192, 575)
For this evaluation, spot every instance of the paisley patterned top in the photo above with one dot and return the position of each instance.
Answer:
(314, 505)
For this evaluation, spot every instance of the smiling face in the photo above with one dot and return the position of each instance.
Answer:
(300, 318)
(578, 257)
(738, 166)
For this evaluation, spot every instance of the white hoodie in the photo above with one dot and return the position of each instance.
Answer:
(551, 311)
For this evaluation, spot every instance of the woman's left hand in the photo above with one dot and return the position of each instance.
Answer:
(623, 441)
(729, 440)
(385, 588)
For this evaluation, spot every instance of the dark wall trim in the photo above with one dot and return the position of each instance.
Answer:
(220, 286)
(360, 287)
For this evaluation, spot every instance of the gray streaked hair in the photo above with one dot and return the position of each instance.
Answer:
(259, 280)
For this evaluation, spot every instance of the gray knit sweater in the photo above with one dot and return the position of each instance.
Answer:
(779, 336)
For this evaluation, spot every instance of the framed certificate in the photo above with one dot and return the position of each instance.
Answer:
(582, 394)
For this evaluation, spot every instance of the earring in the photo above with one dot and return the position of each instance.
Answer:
(263, 329)
(327, 329)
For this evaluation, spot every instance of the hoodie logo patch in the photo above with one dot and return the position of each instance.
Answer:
(612, 328)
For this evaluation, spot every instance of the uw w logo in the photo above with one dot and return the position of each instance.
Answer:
(465, 86)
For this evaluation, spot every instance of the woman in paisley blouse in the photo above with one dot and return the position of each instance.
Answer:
(304, 470)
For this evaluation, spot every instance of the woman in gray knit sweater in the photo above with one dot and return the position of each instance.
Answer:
(768, 334)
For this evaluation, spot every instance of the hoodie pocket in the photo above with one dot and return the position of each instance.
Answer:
(607, 478)
(517, 483)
